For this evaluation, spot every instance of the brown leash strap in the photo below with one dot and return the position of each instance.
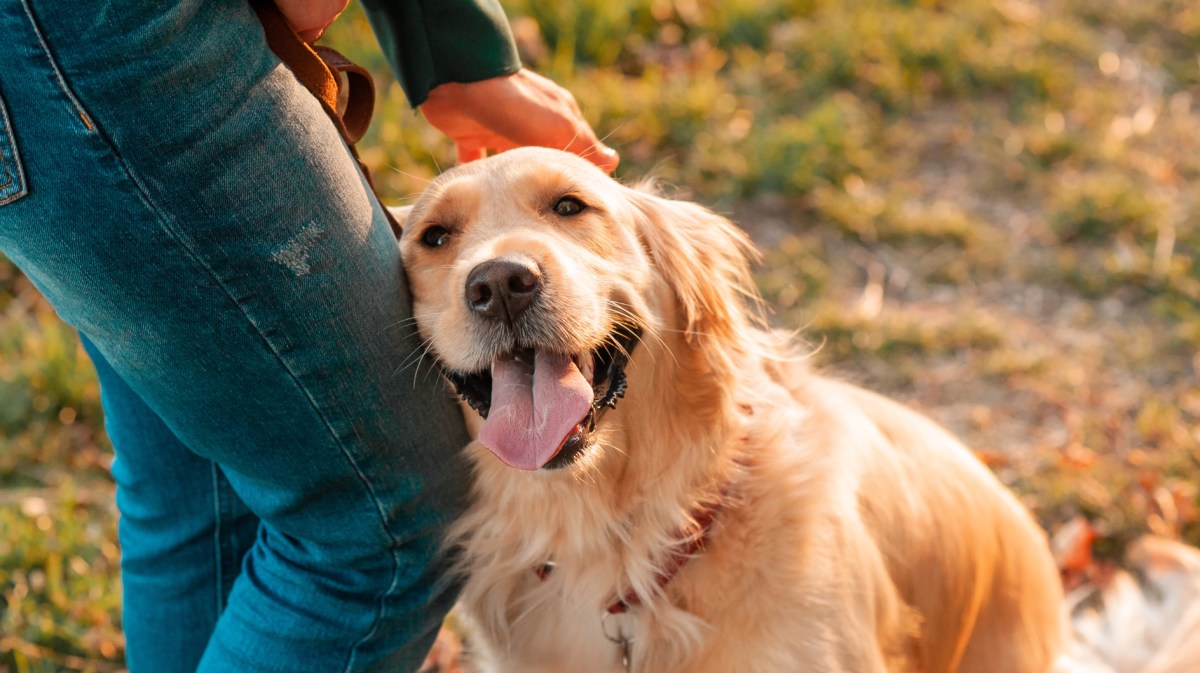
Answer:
(359, 89)
(349, 102)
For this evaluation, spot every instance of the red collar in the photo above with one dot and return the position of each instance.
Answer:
(680, 554)
(693, 539)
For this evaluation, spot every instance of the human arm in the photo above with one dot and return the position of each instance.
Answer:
(456, 61)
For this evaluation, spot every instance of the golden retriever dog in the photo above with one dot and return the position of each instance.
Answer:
(662, 485)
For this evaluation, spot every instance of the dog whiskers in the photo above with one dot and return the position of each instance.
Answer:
(410, 322)
(594, 149)
(431, 370)
(571, 142)
(618, 127)
(432, 156)
(415, 358)
(586, 471)
(622, 311)
(396, 169)
(404, 322)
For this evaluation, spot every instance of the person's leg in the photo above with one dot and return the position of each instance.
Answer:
(183, 532)
(192, 211)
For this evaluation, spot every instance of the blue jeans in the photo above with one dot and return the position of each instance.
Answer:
(285, 465)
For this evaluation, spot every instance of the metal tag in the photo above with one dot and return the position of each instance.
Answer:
(619, 634)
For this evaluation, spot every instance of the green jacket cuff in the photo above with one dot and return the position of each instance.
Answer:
(431, 42)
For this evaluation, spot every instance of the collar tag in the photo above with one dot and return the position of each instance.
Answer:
(618, 629)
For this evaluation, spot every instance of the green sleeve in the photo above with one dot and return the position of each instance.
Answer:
(431, 42)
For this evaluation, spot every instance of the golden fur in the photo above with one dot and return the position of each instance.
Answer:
(856, 536)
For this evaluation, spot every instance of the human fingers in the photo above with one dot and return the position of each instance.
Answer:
(543, 113)
(310, 18)
(469, 151)
(516, 110)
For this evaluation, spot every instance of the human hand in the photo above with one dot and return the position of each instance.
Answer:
(310, 18)
(510, 111)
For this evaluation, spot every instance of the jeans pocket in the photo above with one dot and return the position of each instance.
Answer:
(12, 178)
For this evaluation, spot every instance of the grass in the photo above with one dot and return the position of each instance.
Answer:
(985, 208)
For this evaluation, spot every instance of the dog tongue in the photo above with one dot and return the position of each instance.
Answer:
(534, 408)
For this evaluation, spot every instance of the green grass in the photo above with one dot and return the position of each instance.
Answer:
(986, 208)
(59, 591)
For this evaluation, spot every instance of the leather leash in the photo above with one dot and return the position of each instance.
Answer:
(331, 78)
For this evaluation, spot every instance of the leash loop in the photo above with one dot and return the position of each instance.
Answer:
(616, 632)
(345, 90)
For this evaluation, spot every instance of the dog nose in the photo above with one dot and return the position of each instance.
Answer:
(502, 289)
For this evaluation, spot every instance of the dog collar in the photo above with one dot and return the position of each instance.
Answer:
(691, 545)
(693, 540)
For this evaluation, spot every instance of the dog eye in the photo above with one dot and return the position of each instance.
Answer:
(435, 236)
(568, 206)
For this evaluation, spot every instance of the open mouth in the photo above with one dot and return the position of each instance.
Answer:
(541, 409)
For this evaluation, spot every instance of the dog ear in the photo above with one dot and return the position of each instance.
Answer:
(704, 258)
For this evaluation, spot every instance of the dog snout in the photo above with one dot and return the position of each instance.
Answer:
(503, 289)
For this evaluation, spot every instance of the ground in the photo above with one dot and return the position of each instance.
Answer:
(988, 209)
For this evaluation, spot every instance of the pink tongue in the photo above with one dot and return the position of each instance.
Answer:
(534, 408)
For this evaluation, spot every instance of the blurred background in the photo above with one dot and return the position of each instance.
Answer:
(989, 209)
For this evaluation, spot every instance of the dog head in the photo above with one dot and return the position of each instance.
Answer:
(537, 281)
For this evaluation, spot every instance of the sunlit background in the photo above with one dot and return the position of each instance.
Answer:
(989, 209)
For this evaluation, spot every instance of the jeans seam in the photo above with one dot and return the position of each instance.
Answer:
(58, 73)
(380, 614)
(4, 162)
(19, 178)
(160, 215)
(218, 556)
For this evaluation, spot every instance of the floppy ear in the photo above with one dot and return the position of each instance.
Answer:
(705, 260)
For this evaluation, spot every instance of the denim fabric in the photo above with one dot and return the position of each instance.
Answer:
(182, 544)
(12, 176)
(284, 468)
